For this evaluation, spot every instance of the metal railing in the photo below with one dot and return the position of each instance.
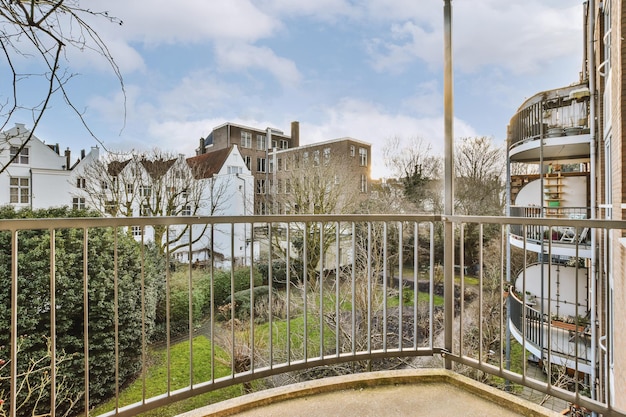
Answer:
(550, 114)
(562, 234)
(569, 341)
(114, 323)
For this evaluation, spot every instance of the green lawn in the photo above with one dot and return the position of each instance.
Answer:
(156, 378)
(408, 297)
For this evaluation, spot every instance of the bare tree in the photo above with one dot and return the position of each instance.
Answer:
(479, 170)
(156, 183)
(419, 171)
(39, 33)
(314, 186)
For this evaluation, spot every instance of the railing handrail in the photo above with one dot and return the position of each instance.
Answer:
(82, 222)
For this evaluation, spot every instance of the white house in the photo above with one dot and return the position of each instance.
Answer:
(227, 190)
(213, 184)
(39, 176)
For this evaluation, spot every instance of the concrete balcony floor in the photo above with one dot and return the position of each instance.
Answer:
(423, 392)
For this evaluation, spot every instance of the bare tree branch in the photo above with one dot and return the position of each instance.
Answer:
(39, 33)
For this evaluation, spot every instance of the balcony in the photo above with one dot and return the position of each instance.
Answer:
(568, 344)
(566, 236)
(346, 296)
(552, 125)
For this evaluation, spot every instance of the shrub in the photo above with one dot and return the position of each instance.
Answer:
(33, 278)
(279, 272)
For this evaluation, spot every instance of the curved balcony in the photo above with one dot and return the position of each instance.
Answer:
(560, 118)
(569, 236)
(562, 343)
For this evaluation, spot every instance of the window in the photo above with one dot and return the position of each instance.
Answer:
(129, 188)
(271, 165)
(287, 186)
(260, 186)
(186, 211)
(336, 179)
(81, 183)
(352, 150)
(78, 203)
(274, 143)
(248, 161)
(316, 158)
(305, 157)
(22, 156)
(287, 163)
(246, 140)
(145, 191)
(363, 156)
(260, 164)
(279, 186)
(234, 170)
(284, 144)
(363, 183)
(104, 184)
(19, 190)
(279, 164)
(260, 142)
(145, 210)
(136, 230)
(326, 156)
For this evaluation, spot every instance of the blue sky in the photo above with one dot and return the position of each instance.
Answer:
(371, 70)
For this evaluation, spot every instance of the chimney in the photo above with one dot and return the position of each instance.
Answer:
(67, 158)
(295, 134)
(202, 148)
(82, 154)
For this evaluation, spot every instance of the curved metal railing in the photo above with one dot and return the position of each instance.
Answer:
(338, 293)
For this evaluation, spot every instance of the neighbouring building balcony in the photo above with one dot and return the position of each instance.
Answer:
(546, 336)
(552, 125)
(566, 236)
(103, 324)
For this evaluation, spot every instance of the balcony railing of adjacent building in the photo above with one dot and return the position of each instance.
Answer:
(569, 342)
(374, 296)
(561, 112)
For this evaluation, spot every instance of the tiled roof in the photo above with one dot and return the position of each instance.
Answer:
(208, 164)
(157, 168)
(115, 167)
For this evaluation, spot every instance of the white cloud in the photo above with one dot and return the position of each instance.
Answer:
(237, 57)
(519, 36)
(163, 21)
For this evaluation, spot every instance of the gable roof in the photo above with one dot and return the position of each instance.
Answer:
(115, 167)
(208, 164)
(158, 167)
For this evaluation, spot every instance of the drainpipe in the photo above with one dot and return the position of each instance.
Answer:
(592, 168)
(448, 116)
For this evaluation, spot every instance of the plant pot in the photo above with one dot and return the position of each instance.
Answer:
(554, 132)
(573, 130)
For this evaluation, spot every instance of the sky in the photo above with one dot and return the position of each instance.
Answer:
(369, 69)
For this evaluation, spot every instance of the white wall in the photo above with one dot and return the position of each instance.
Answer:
(563, 284)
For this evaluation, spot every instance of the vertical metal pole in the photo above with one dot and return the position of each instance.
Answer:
(448, 252)
(591, 59)
(14, 336)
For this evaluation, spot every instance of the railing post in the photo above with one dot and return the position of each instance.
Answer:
(448, 254)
